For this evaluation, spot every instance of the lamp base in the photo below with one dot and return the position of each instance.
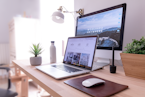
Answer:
(112, 69)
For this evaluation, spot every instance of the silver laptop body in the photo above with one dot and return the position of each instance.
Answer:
(78, 58)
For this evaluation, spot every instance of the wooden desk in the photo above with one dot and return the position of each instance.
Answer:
(57, 88)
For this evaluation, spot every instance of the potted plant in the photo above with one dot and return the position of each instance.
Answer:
(36, 50)
(133, 59)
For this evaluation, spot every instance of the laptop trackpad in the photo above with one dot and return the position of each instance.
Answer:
(53, 71)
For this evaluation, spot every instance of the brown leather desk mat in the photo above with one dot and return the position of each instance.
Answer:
(107, 89)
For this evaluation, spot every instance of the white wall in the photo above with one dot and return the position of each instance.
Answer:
(52, 31)
(11, 8)
(135, 15)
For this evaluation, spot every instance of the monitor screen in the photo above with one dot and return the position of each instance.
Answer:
(108, 24)
(80, 51)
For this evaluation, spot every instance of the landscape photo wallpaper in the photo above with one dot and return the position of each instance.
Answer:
(106, 24)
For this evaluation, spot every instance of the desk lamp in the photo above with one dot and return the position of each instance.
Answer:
(58, 16)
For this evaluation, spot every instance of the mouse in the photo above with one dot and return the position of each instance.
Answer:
(92, 81)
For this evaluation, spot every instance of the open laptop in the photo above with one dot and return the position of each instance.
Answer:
(78, 58)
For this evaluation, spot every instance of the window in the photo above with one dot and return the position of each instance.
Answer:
(51, 31)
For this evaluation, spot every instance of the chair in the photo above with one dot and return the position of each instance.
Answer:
(6, 92)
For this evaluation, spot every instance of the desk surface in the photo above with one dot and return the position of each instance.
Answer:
(57, 88)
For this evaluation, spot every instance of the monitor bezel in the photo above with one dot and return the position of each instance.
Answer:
(122, 25)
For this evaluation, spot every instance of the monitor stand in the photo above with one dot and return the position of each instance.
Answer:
(100, 63)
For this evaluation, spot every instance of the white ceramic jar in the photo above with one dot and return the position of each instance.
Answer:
(52, 53)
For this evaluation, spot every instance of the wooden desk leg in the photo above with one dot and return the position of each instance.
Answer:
(18, 88)
(24, 87)
(17, 71)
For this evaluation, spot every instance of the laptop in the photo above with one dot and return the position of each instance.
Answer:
(78, 58)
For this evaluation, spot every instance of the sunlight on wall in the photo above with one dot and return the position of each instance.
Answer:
(51, 31)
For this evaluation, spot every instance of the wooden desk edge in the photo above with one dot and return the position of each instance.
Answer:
(53, 93)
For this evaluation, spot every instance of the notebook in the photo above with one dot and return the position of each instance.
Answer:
(78, 58)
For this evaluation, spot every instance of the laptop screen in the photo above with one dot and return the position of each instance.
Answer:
(80, 51)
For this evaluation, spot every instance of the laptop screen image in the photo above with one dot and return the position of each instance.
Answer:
(80, 51)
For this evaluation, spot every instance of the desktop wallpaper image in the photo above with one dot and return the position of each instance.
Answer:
(106, 24)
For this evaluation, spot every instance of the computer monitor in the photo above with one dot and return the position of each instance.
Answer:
(108, 24)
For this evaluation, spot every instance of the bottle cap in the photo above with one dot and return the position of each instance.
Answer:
(52, 41)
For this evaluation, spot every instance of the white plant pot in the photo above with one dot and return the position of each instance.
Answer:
(35, 61)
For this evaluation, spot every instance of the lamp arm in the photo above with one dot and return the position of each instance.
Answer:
(69, 12)
(81, 11)
(60, 8)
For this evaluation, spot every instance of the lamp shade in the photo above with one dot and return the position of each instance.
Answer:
(58, 17)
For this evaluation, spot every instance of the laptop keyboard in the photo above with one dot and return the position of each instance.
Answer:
(66, 68)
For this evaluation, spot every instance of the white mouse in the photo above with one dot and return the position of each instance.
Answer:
(92, 81)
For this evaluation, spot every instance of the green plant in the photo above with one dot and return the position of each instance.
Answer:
(136, 47)
(36, 49)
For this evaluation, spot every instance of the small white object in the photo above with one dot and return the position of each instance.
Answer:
(43, 93)
(92, 81)
(52, 53)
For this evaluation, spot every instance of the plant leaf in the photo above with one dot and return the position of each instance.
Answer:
(36, 49)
